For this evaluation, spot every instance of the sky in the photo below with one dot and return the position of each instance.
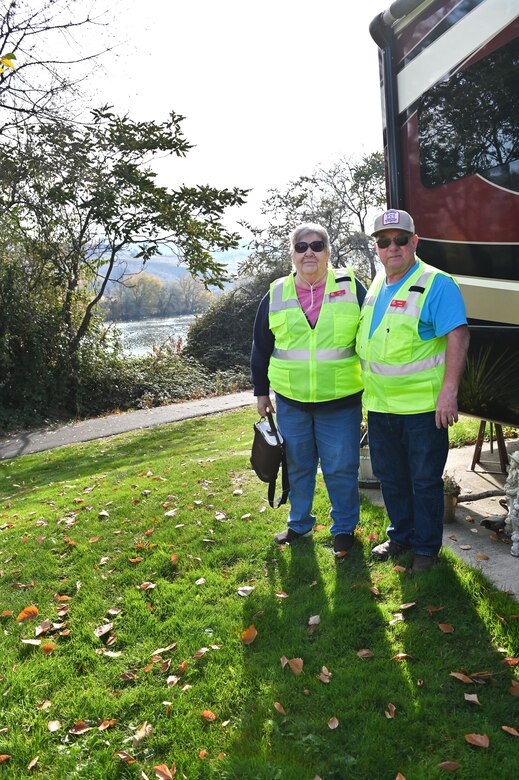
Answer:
(270, 91)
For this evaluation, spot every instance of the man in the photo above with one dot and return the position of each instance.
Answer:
(412, 342)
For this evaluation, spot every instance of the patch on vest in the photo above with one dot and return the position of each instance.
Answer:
(397, 304)
(335, 293)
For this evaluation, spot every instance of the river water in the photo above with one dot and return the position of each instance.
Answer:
(140, 336)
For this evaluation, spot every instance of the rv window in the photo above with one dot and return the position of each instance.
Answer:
(470, 123)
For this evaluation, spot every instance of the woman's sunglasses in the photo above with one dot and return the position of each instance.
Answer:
(384, 242)
(315, 246)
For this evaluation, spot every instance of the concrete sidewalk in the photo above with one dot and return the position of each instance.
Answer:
(479, 547)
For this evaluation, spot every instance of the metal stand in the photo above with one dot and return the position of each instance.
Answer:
(500, 440)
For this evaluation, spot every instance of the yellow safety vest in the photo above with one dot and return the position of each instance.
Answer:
(320, 363)
(403, 374)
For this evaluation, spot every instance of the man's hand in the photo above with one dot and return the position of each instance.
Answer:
(446, 408)
(264, 405)
(455, 357)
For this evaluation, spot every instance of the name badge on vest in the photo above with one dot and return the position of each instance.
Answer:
(336, 293)
(397, 304)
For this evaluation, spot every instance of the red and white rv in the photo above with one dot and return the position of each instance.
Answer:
(450, 102)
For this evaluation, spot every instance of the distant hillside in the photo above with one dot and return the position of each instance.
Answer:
(166, 268)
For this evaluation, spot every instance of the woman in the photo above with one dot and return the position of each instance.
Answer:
(304, 350)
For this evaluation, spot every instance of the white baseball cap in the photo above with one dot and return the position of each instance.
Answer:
(392, 219)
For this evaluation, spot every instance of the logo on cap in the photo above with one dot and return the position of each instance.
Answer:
(391, 217)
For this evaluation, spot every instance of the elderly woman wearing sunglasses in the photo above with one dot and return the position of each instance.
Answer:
(304, 351)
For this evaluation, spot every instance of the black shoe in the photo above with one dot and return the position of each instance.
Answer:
(288, 535)
(423, 563)
(388, 549)
(342, 543)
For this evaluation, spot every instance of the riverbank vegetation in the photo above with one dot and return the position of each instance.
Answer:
(151, 627)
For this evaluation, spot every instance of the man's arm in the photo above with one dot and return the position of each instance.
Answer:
(455, 358)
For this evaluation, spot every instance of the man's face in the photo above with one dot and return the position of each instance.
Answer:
(396, 259)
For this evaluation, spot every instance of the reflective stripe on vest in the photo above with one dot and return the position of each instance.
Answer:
(383, 369)
(320, 354)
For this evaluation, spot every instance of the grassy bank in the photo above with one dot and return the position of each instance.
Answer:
(149, 556)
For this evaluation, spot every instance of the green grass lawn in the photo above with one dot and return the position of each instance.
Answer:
(134, 549)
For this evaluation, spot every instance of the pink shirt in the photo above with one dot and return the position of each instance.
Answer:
(311, 299)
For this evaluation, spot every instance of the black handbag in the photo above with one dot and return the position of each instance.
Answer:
(268, 454)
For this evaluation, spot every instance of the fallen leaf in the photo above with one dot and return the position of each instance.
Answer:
(49, 648)
(281, 594)
(203, 754)
(200, 581)
(314, 620)
(135, 560)
(200, 653)
(446, 628)
(35, 642)
(53, 725)
(402, 657)
(390, 712)
(465, 547)
(107, 724)
(431, 610)
(42, 628)
(333, 723)
(81, 727)
(32, 763)
(6, 613)
(104, 629)
(44, 705)
(249, 635)
(142, 732)
(482, 557)
(29, 613)
(296, 665)
(510, 661)
(400, 776)
(146, 586)
(511, 730)
(399, 568)
(449, 766)
(163, 773)
(514, 689)
(463, 677)
(408, 605)
(208, 715)
(324, 676)
(4, 757)
(162, 650)
(479, 740)
(284, 661)
(245, 590)
(174, 559)
(126, 757)
(365, 652)
(472, 697)
(279, 707)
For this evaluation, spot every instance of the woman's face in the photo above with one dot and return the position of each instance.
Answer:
(310, 264)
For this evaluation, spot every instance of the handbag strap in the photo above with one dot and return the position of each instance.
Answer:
(284, 470)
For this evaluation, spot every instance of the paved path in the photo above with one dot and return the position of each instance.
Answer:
(483, 549)
(99, 427)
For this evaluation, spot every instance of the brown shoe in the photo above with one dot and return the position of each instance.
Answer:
(423, 563)
(387, 550)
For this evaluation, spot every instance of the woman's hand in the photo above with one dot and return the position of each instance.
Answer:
(264, 405)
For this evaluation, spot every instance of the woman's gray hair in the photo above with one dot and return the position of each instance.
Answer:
(309, 227)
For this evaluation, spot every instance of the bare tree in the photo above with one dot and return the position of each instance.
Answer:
(43, 59)
(339, 198)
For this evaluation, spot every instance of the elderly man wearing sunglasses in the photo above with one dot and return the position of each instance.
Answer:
(412, 342)
(304, 350)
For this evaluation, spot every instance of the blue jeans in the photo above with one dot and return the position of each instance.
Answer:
(331, 437)
(408, 456)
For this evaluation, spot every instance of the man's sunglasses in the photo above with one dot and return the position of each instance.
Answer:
(315, 246)
(384, 242)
